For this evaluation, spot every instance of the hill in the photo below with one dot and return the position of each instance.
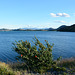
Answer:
(67, 28)
(62, 28)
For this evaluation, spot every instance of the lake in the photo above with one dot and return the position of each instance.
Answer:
(64, 42)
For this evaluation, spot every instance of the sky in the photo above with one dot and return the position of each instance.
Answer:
(36, 13)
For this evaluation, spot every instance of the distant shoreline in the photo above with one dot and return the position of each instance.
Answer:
(62, 28)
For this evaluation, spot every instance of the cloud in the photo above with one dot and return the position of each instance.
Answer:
(59, 21)
(60, 15)
(74, 14)
(53, 15)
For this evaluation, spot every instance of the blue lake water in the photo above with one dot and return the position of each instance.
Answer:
(64, 42)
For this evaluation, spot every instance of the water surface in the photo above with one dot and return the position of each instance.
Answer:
(64, 42)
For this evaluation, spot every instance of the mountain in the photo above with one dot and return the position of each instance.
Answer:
(51, 29)
(61, 27)
(67, 28)
(29, 28)
(35, 28)
(3, 29)
(18, 30)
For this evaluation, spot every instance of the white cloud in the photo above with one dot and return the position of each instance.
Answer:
(74, 14)
(65, 15)
(60, 15)
(59, 21)
(38, 26)
(53, 15)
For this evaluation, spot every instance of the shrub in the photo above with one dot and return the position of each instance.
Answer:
(38, 58)
(5, 70)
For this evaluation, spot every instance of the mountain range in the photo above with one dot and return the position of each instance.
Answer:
(63, 28)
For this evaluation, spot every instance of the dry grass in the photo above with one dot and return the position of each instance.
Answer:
(20, 68)
(69, 64)
(5, 69)
(2, 64)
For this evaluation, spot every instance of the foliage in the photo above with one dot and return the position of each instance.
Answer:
(69, 64)
(38, 58)
(5, 70)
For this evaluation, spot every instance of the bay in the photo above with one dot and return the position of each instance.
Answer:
(64, 42)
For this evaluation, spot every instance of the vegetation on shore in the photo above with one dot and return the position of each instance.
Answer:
(37, 59)
(19, 68)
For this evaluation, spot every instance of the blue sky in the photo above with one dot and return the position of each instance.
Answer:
(36, 13)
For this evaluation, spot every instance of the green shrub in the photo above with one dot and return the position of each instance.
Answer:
(38, 58)
(5, 70)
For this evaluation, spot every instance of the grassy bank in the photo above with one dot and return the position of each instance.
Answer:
(69, 64)
(20, 68)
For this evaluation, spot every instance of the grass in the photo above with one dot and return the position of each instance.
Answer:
(69, 64)
(5, 69)
(20, 68)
